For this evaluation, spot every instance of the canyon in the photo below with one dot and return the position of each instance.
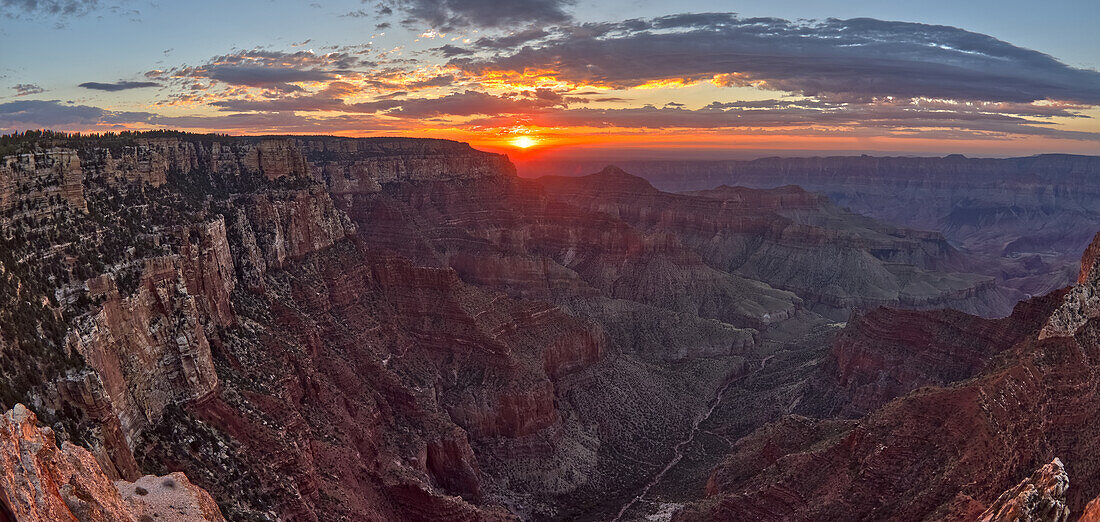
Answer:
(325, 328)
(1028, 217)
(940, 444)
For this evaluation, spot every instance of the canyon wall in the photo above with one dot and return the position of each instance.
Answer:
(945, 445)
(202, 273)
(319, 328)
(1028, 217)
(835, 260)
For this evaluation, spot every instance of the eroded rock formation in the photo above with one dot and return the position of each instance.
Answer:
(349, 329)
(1083, 300)
(1039, 498)
(1026, 217)
(794, 240)
(945, 451)
(43, 482)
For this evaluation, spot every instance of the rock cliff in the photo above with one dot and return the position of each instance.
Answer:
(952, 443)
(1083, 300)
(42, 482)
(885, 353)
(835, 260)
(318, 328)
(213, 311)
(1027, 217)
(352, 166)
(1041, 497)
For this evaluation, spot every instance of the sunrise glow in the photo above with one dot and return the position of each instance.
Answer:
(523, 142)
(490, 79)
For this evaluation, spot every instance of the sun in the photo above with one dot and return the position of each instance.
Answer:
(524, 142)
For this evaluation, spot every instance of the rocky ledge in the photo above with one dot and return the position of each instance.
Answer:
(42, 482)
(1082, 302)
(1039, 498)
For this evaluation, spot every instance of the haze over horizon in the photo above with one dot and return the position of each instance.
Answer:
(546, 80)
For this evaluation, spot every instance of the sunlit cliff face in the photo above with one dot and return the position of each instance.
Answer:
(542, 80)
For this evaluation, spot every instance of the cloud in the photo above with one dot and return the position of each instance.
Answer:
(441, 80)
(60, 8)
(54, 114)
(472, 102)
(512, 40)
(807, 117)
(119, 86)
(276, 123)
(35, 114)
(268, 69)
(856, 59)
(486, 43)
(447, 15)
(261, 76)
(27, 89)
(856, 77)
(449, 51)
(331, 98)
(466, 103)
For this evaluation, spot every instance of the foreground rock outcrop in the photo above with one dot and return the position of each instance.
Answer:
(1042, 497)
(42, 482)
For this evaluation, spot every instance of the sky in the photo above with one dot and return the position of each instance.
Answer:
(570, 78)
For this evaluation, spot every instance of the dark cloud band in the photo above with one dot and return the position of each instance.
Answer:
(854, 59)
(452, 14)
(119, 86)
(48, 7)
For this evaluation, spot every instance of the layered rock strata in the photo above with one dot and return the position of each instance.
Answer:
(320, 328)
(43, 482)
(794, 240)
(1027, 218)
(945, 451)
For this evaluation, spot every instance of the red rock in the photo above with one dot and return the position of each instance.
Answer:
(1083, 300)
(505, 233)
(277, 158)
(1040, 498)
(1088, 261)
(208, 271)
(41, 482)
(886, 353)
(794, 240)
(1091, 512)
(389, 329)
(937, 451)
(1007, 210)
